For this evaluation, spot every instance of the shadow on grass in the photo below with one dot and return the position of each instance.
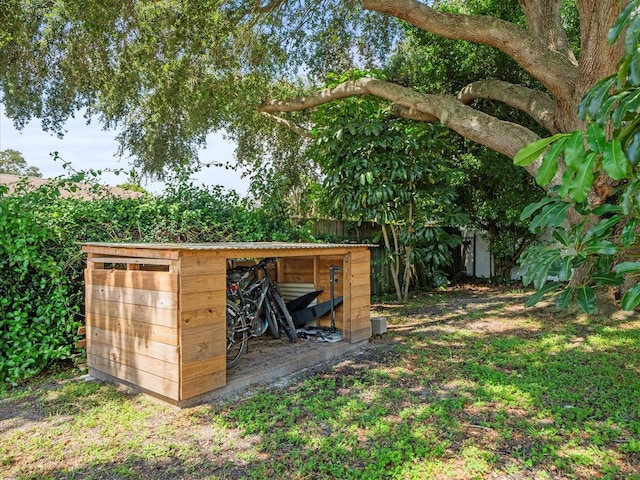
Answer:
(442, 398)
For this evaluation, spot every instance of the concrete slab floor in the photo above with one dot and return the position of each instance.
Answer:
(269, 360)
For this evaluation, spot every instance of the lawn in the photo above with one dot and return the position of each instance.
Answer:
(465, 384)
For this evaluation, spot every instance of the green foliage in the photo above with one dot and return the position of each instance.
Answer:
(165, 74)
(41, 289)
(13, 163)
(490, 189)
(609, 146)
(39, 308)
(393, 172)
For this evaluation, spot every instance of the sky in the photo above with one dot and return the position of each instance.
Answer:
(89, 147)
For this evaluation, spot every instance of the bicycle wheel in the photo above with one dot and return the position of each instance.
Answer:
(237, 334)
(272, 318)
(284, 317)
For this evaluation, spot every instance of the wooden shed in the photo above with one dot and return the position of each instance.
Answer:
(155, 313)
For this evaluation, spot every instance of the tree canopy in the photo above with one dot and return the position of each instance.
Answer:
(13, 163)
(167, 73)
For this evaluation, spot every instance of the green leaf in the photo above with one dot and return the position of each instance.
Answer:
(604, 113)
(541, 292)
(561, 236)
(628, 236)
(592, 101)
(533, 207)
(621, 22)
(564, 298)
(634, 70)
(596, 137)
(631, 299)
(549, 165)
(602, 228)
(582, 182)
(633, 149)
(531, 152)
(608, 279)
(565, 270)
(630, 198)
(627, 267)
(606, 208)
(574, 152)
(552, 215)
(632, 35)
(586, 299)
(602, 247)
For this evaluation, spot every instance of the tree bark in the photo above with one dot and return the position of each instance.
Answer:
(499, 135)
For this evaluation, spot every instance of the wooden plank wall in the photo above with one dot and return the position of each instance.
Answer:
(353, 283)
(202, 322)
(357, 304)
(131, 325)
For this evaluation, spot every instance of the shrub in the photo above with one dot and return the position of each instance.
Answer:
(41, 288)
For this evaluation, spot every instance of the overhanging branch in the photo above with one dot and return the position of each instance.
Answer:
(504, 137)
(534, 103)
(554, 70)
(303, 132)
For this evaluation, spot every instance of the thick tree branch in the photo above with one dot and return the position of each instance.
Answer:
(504, 137)
(556, 72)
(412, 114)
(534, 103)
(544, 20)
(303, 132)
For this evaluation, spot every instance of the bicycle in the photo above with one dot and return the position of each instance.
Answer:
(266, 293)
(268, 301)
(260, 294)
(238, 317)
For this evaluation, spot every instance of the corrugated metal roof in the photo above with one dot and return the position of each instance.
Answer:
(229, 245)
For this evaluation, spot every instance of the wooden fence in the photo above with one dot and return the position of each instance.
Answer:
(368, 232)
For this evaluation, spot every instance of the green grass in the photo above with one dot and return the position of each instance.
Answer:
(491, 390)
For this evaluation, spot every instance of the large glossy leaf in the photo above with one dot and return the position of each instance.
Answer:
(565, 270)
(621, 22)
(552, 215)
(632, 34)
(561, 236)
(541, 292)
(602, 228)
(586, 299)
(609, 279)
(590, 104)
(633, 149)
(533, 207)
(631, 299)
(634, 70)
(582, 182)
(565, 297)
(628, 236)
(596, 138)
(627, 267)
(574, 152)
(606, 208)
(549, 165)
(601, 247)
(531, 152)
